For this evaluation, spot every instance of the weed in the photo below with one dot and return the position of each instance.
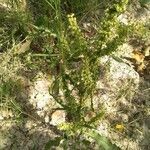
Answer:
(52, 32)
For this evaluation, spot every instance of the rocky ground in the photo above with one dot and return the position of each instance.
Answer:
(120, 90)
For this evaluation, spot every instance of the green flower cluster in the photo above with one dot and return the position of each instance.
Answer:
(87, 77)
(73, 24)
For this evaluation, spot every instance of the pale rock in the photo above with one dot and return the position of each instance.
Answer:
(1, 117)
(58, 117)
(123, 19)
(46, 119)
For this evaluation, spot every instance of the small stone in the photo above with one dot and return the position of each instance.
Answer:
(1, 117)
(47, 119)
(125, 118)
(58, 117)
(123, 18)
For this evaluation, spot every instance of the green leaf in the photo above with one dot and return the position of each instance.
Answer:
(144, 1)
(103, 142)
(55, 87)
(54, 142)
